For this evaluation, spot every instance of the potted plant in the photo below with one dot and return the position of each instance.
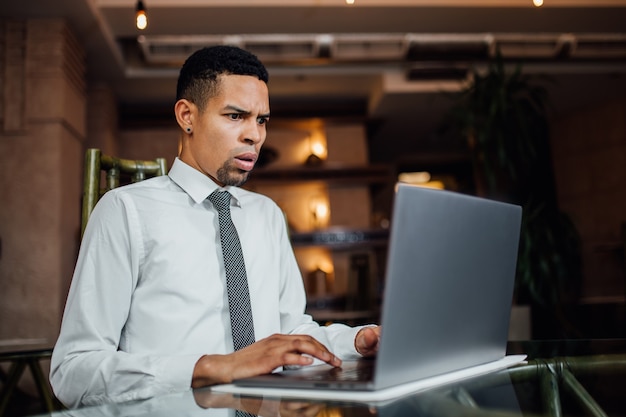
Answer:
(503, 117)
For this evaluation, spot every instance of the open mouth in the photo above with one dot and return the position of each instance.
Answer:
(246, 161)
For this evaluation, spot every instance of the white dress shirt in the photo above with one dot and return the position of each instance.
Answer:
(148, 295)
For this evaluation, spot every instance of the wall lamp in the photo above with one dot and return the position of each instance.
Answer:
(317, 148)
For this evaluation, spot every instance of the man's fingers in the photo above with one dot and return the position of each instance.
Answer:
(303, 347)
(260, 358)
(273, 352)
(296, 359)
(307, 345)
(367, 340)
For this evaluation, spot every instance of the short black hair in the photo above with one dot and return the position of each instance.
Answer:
(198, 78)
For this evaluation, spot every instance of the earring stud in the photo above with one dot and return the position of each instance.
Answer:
(188, 129)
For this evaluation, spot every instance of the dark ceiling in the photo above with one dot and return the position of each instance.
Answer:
(385, 63)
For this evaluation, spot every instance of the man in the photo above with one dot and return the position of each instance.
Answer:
(148, 308)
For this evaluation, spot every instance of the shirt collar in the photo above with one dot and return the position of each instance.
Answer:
(197, 185)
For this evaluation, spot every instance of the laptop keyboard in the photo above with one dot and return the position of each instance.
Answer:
(363, 371)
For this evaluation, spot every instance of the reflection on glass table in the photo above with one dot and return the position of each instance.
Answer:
(560, 378)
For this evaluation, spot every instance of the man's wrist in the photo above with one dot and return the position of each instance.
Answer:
(210, 370)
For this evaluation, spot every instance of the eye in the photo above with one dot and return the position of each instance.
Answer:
(234, 116)
(262, 120)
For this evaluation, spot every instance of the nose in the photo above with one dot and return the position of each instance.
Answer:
(254, 132)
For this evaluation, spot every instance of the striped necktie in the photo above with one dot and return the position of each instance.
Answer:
(240, 310)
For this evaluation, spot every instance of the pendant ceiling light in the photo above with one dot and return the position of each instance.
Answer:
(141, 16)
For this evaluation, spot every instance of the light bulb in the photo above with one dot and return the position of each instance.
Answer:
(318, 149)
(141, 16)
(538, 3)
(142, 20)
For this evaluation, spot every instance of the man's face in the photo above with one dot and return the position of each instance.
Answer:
(228, 135)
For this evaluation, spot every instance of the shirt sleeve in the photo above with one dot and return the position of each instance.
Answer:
(337, 337)
(87, 367)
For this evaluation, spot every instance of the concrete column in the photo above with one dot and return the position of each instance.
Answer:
(42, 129)
(102, 120)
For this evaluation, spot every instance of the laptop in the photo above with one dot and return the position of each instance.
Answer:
(447, 300)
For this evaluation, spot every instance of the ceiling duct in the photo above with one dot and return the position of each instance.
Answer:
(373, 47)
(175, 49)
(426, 47)
(531, 46)
(282, 48)
(269, 48)
(610, 46)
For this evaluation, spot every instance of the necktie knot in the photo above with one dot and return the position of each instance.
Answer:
(221, 200)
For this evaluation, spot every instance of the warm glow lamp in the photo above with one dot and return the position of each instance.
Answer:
(141, 16)
(317, 148)
(320, 212)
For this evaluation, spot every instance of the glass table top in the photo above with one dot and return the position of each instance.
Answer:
(560, 378)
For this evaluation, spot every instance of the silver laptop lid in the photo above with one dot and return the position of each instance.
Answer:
(449, 283)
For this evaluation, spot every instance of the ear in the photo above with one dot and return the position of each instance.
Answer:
(184, 110)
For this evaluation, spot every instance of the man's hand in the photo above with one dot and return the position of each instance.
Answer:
(259, 358)
(367, 339)
(206, 398)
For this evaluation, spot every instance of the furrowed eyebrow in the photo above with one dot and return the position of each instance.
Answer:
(236, 109)
(239, 110)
